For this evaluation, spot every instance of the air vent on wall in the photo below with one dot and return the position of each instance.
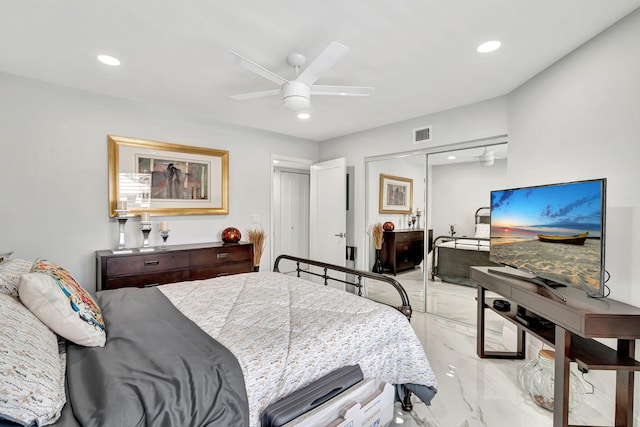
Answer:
(422, 135)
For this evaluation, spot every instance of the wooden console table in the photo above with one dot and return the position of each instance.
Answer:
(576, 323)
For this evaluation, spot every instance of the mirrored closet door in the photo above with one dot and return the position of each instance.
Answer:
(458, 209)
(451, 191)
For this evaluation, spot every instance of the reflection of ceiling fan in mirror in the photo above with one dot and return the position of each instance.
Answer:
(487, 158)
(296, 94)
(490, 154)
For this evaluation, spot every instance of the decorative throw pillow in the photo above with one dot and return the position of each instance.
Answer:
(10, 272)
(52, 294)
(31, 373)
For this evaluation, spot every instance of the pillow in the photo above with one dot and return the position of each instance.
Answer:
(31, 373)
(5, 256)
(482, 231)
(54, 296)
(10, 272)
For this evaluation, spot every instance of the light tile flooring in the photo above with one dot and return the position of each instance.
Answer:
(473, 391)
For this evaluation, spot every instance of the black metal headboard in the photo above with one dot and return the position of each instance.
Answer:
(483, 215)
(405, 308)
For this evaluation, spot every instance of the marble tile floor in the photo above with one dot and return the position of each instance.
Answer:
(472, 391)
(482, 392)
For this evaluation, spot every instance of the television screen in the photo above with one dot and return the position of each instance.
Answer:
(555, 232)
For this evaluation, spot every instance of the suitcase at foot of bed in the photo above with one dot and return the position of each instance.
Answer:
(369, 403)
(311, 396)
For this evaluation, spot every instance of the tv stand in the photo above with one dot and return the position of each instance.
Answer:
(572, 327)
(547, 284)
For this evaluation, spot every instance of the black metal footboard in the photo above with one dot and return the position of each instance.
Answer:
(404, 308)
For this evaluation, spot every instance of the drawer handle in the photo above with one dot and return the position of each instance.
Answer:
(153, 262)
(222, 255)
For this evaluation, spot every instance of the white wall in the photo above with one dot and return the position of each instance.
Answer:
(458, 190)
(53, 169)
(580, 119)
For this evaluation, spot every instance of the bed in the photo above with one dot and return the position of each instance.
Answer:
(452, 257)
(209, 352)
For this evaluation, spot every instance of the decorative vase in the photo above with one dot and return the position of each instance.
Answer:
(377, 266)
(256, 268)
(231, 235)
(537, 377)
(388, 226)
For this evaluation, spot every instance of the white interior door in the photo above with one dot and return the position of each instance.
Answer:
(328, 221)
(291, 217)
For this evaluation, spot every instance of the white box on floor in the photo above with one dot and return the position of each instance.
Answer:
(376, 410)
(369, 403)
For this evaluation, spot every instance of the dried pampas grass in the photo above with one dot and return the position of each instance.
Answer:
(258, 237)
(377, 234)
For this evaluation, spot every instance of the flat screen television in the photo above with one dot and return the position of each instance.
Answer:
(554, 232)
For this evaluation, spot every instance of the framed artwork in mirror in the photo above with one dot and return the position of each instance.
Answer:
(396, 194)
(166, 179)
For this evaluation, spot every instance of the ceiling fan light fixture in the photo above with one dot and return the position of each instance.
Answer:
(296, 103)
(296, 96)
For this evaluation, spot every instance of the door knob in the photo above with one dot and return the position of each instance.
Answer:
(341, 235)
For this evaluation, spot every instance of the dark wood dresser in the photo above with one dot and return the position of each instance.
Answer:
(174, 264)
(402, 249)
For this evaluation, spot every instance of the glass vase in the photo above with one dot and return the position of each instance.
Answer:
(537, 380)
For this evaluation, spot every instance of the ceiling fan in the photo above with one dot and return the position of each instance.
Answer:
(487, 157)
(490, 154)
(296, 93)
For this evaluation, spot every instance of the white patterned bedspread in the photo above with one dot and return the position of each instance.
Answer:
(287, 332)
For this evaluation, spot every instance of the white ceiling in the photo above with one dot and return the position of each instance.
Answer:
(418, 54)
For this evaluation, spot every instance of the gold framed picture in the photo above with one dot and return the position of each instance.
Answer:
(167, 179)
(396, 194)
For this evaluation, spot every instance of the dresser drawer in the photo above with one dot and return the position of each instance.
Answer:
(409, 236)
(403, 247)
(141, 280)
(201, 273)
(221, 255)
(148, 263)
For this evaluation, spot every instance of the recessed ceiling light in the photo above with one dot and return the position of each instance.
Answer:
(451, 157)
(109, 60)
(304, 115)
(489, 46)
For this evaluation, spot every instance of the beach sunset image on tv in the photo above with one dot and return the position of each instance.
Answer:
(552, 231)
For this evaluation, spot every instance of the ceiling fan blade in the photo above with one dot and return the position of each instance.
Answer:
(252, 95)
(341, 90)
(327, 59)
(247, 64)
